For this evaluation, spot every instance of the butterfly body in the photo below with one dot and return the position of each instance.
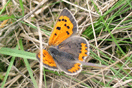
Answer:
(66, 51)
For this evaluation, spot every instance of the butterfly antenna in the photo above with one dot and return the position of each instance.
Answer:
(92, 64)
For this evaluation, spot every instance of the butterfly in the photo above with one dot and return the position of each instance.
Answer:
(65, 51)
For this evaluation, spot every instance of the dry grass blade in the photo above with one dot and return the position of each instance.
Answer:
(102, 70)
(41, 55)
(106, 24)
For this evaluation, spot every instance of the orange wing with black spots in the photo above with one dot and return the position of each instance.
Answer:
(48, 60)
(65, 27)
(83, 51)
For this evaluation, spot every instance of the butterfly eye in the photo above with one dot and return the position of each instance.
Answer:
(52, 51)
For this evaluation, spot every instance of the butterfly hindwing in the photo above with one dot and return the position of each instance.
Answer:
(65, 61)
(65, 27)
(77, 46)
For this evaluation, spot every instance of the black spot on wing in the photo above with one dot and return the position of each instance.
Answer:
(59, 28)
(65, 20)
(68, 27)
(55, 34)
(43, 55)
(67, 32)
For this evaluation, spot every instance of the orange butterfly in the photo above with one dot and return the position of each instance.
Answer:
(66, 52)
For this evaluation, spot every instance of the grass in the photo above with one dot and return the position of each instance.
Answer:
(111, 45)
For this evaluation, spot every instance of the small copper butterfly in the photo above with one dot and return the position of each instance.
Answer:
(65, 52)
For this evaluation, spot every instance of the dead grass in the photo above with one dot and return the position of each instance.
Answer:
(105, 23)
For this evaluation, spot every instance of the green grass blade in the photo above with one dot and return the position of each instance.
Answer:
(8, 70)
(28, 66)
(4, 7)
(17, 53)
(5, 17)
(44, 77)
(22, 7)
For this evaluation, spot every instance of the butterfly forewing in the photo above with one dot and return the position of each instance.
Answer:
(65, 27)
(47, 60)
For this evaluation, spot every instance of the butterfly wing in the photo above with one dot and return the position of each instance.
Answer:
(65, 61)
(65, 27)
(70, 53)
(77, 46)
(48, 60)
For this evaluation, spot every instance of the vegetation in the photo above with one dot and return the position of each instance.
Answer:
(106, 24)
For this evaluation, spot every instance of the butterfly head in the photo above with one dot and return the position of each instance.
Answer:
(53, 51)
